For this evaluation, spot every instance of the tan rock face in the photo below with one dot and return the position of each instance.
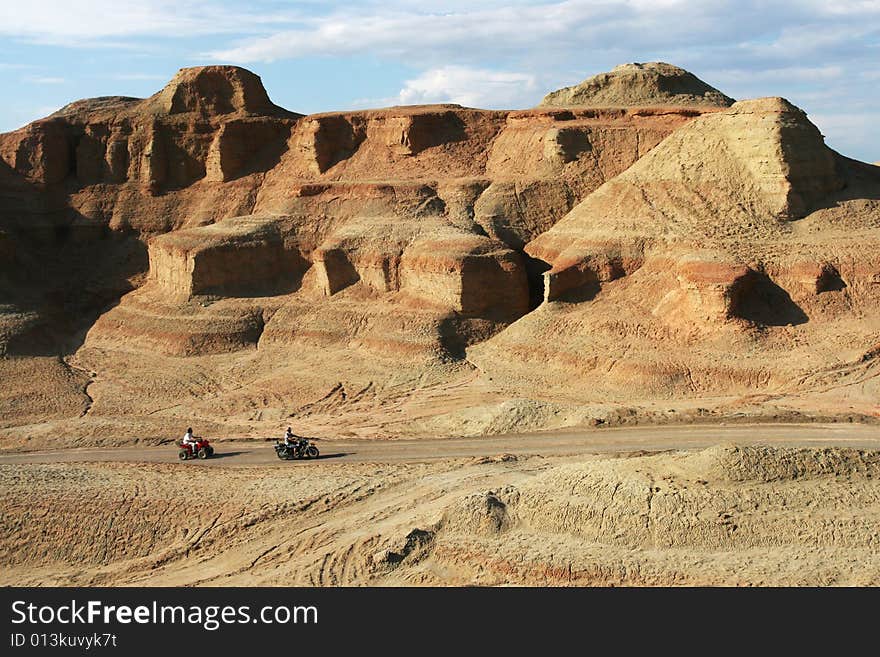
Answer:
(447, 268)
(471, 274)
(713, 264)
(757, 164)
(648, 242)
(803, 174)
(232, 258)
(629, 85)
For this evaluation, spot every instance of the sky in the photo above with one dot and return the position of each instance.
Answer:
(822, 55)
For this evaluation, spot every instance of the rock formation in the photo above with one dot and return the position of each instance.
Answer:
(712, 265)
(635, 241)
(635, 85)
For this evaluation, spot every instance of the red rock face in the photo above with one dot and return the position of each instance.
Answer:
(215, 90)
(236, 258)
(666, 249)
(242, 146)
(41, 152)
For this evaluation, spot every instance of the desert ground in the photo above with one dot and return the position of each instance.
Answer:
(729, 505)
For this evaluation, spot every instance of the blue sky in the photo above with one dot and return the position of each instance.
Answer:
(318, 56)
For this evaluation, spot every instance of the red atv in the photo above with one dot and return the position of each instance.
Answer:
(202, 448)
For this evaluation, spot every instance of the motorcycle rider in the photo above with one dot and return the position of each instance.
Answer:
(189, 440)
(290, 440)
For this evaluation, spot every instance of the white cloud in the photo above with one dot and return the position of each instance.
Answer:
(141, 76)
(778, 75)
(796, 43)
(91, 21)
(17, 116)
(472, 87)
(848, 8)
(844, 131)
(837, 121)
(44, 79)
(420, 34)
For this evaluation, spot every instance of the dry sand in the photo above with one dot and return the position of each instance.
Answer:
(456, 513)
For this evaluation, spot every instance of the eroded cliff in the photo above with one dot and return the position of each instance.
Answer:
(637, 242)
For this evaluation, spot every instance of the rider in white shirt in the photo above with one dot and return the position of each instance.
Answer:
(189, 439)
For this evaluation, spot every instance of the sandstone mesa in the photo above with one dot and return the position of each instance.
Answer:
(638, 247)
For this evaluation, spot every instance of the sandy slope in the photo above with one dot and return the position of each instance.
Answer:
(746, 514)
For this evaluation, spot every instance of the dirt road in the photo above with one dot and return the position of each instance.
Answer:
(596, 441)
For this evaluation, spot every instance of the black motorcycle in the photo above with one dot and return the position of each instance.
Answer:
(300, 448)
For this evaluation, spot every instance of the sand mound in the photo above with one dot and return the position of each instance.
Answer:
(718, 496)
(761, 463)
(724, 515)
(634, 85)
(484, 513)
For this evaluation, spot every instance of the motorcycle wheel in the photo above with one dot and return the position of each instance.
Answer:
(182, 455)
(210, 451)
(312, 452)
(203, 453)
